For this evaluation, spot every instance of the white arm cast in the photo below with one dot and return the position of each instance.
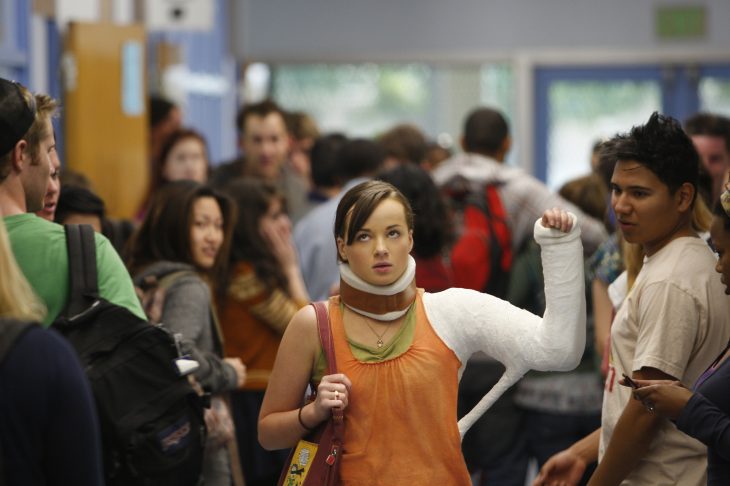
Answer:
(469, 321)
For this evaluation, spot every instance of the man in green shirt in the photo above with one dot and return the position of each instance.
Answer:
(27, 151)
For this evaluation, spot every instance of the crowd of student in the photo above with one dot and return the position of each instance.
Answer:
(409, 246)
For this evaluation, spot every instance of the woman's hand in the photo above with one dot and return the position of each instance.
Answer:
(240, 369)
(279, 237)
(557, 219)
(665, 397)
(333, 392)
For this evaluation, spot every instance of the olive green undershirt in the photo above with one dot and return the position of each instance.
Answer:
(397, 345)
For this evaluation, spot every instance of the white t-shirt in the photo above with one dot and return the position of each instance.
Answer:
(674, 319)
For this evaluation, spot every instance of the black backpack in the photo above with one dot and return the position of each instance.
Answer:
(151, 419)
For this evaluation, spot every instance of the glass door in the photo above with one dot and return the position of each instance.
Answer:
(577, 106)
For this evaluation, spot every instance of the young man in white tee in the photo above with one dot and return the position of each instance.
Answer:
(672, 324)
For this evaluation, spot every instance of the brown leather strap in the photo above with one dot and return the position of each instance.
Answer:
(360, 300)
(328, 346)
(325, 336)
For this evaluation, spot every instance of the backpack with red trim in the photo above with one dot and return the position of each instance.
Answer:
(481, 258)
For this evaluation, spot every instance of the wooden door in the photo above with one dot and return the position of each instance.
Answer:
(105, 111)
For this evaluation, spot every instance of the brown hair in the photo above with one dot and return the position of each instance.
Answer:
(301, 125)
(589, 193)
(709, 124)
(157, 179)
(405, 142)
(253, 197)
(358, 204)
(261, 109)
(165, 231)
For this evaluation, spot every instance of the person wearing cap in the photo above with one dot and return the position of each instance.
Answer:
(27, 149)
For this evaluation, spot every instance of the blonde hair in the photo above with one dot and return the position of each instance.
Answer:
(701, 216)
(17, 299)
(45, 108)
(633, 257)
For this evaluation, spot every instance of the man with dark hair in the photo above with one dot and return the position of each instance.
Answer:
(357, 161)
(27, 146)
(711, 137)
(164, 118)
(264, 141)
(495, 447)
(78, 205)
(486, 142)
(670, 326)
(323, 175)
(486, 132)
(403, 144)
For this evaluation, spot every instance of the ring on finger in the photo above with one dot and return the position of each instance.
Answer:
(337, 395)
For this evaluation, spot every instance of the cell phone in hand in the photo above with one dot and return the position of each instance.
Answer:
(630, 382)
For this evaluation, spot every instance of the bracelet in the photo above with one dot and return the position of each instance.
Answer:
(299, 416)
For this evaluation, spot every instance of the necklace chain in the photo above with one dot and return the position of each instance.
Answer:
(380, 342)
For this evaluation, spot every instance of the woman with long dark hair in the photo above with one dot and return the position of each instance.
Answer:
(433, 230)
(182, 245)
(265, 289)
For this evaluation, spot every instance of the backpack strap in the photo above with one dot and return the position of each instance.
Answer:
(83, 284)
(168, 280)
(498, 218)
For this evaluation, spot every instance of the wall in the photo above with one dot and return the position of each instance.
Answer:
(282, 30)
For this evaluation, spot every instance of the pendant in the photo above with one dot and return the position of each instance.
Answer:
(380, 343)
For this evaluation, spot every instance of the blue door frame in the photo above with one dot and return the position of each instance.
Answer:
(15, 41)
(679, 85)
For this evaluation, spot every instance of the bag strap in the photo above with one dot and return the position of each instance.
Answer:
(325, 336)
(168, 280)
(328, 346)
(498, 220)
(83, 284)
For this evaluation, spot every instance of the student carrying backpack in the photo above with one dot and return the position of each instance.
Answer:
(151, 419)
(481, 258)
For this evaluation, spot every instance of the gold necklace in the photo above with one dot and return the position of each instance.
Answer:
(380, 342)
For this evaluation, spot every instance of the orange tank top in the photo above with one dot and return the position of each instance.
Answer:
(400, 425)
